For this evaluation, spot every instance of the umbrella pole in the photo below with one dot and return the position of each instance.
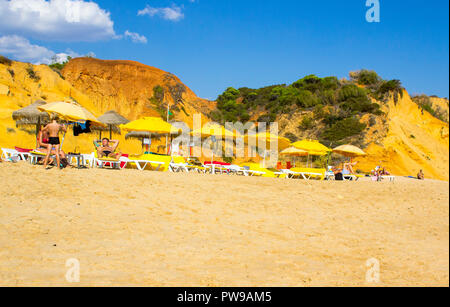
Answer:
(38, 126)
(110, 132)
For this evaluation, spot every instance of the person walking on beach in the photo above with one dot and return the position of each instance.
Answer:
(53, 129)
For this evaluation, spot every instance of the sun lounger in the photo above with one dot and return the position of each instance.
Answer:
(34, 156)
(390, 178)
(178, 164)
(23, 153)
(107, 163)
(10, 155)
(350, 177)
(140, 164)
(308, 173)
(251, 173)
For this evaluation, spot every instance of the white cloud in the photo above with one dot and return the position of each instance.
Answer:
(21, 49)
(135, 37)
(173, 13)
(59, 20)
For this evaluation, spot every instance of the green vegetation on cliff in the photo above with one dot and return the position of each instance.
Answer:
(337, 104)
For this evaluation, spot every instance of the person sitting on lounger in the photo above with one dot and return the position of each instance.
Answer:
(107, 149)
(348, 168)
(384, 172)
(421, 175)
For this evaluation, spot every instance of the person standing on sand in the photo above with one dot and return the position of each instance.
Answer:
(53, 129)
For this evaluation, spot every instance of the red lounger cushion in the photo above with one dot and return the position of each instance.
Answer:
(23, 150)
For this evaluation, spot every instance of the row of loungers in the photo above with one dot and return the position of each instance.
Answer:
(176, 164)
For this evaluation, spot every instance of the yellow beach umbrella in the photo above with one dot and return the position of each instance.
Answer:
(269, 138)
(215, 130)
(150, 124)
(70, 111)
(349, 151)
(294, 152)
(314, 148)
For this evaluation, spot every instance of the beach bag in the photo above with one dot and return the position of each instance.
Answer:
(339, 177)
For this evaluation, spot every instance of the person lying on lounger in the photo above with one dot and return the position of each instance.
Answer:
(107, 149)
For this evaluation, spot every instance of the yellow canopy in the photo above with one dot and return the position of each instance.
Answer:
(283, 143)
(69, 111)
(349, 151)
(214, 130)
(151, 125)
(314, 148)
(292, 151)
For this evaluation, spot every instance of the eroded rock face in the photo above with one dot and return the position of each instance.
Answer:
(129, 88)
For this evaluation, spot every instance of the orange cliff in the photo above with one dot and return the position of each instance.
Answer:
(415, 140)
(128, 87)
(98, 85)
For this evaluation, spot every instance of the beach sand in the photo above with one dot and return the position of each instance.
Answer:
(131, 228)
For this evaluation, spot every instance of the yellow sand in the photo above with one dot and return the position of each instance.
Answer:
(134, 228)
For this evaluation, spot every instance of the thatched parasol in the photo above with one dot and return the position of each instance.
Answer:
(31, 116)
(113, 120)
(141, 135)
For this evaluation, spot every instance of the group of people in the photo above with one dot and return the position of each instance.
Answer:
(48, 142)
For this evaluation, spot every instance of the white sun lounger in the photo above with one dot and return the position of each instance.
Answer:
(390, 178)
(179, 167)
(141, 164)
(11, 155)
(350, 177)
(34, 156)
(305, 175)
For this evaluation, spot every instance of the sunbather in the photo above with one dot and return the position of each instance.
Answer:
(384, 172)
(53, 130)
(348, 168)
(421, 175)
(107, 149)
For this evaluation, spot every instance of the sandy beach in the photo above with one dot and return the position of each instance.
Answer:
(131, 228)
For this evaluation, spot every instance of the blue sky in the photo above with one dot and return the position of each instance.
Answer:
(212, 44)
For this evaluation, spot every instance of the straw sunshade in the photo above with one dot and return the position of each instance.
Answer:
(150, 125)
(314, 148)
(294, 152)
(70, 111)
(269, 138)
(349, 151)
(31, 115)
(113, 120)
(142, 135)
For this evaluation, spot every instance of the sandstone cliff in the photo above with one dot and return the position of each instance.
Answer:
(405, 139)
(129, 88)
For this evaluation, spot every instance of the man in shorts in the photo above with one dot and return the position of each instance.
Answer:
(53, 129)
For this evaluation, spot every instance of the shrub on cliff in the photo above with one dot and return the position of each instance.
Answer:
(32, 74)
(343, 129)
(365, 77)
(5, 61)
(387, 88)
